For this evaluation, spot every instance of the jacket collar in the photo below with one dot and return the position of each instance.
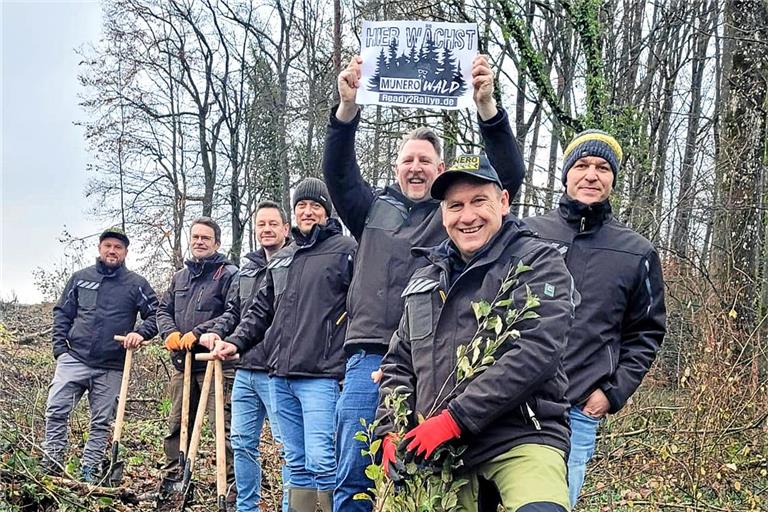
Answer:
(395, 191)
(584, 216)
(318, 233)
(206, 265)
(255, 259)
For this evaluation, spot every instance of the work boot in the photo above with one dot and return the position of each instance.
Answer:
(326, 500)
(301, 499)
(90, 475)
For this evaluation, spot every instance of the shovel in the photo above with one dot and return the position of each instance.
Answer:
(221, 454)
(187, 486)
(113, 475)
(171, 485)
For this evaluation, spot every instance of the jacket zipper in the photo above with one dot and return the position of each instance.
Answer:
(582, 225)
(532, 415)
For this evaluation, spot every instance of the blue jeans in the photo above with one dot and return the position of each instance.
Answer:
(583, 436)
(251, 403)
(305, 410)
(359, 399)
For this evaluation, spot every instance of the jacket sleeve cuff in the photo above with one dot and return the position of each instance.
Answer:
(458, 417)
(334, 121)
(616, 401)
(501, 114)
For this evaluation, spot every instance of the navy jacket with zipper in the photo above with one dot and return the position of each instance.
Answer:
(388, 225)
(620, 322)
(196, 297)
(97, 304)
(299, 312)
(241, 295)
(520, 398)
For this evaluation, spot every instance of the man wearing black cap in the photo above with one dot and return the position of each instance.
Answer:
(512, 417)
(299, 314)
(388, 223)
(620, 322)
(98, 303)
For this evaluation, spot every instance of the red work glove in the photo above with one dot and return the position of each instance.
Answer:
(173, 341)
(428, 436)
(388, 451)
(188, 341)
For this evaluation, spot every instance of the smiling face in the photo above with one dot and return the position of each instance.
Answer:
(308, 213)
(202, 241)
(472, 214)
(271, 231)
(112, 252)
(589, 180)
(417, 166)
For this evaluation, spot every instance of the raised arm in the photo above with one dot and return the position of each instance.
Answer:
(351, 195)
(500, 143)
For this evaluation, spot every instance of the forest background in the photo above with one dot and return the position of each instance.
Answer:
(207, 107)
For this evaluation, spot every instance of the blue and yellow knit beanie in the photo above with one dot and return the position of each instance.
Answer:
(593, 143)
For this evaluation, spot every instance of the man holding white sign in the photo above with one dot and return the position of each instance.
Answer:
(387, 224)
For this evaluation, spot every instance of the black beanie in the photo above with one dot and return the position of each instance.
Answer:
(314, 190)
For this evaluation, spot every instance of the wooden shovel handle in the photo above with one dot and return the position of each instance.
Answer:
(194, 442)
(123, 396)
(184, 434)
(206, 356)
(119, 338)
(221, 454)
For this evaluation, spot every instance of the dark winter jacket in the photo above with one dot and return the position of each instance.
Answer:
(299, 312)
(97, 304)
(387, 225)
(241, 294)
(520, 398)
(196, 297)
(620, 322)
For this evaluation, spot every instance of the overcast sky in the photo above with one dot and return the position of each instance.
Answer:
(43, 153)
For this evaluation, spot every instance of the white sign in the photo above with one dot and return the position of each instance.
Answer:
(417, 64)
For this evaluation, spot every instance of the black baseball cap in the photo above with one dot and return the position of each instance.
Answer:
(473, 166)
(115, 232)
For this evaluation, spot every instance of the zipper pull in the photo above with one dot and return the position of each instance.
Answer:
(583, 222)
(534, 420)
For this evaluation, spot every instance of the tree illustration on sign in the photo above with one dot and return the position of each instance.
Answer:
(430, 70)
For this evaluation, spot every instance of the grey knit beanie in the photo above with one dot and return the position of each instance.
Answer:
(314, 190)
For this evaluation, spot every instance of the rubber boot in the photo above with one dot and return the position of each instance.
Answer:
(326, 500)
(302, 499)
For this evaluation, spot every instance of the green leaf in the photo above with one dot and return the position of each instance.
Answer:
(362, 496)
(361, 436)
(460, 351)
(487, 360)
(373, 471)
(375, 446)
(530, 315)
(503, 303)
(521, 268)
(481, 309)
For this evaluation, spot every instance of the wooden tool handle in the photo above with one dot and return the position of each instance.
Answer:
(194, 442)
(206, 356)
(123, 396)
(119, 338)
(221, 454)
(184, 435)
